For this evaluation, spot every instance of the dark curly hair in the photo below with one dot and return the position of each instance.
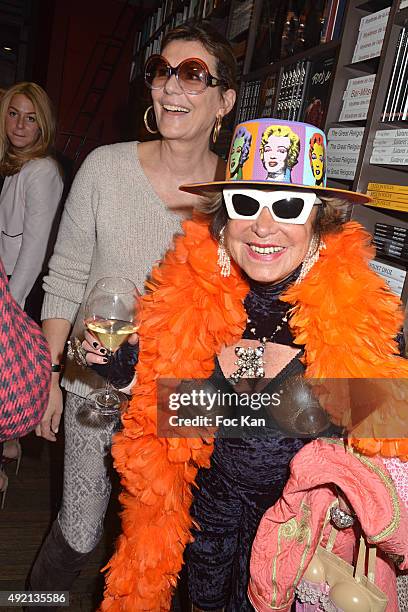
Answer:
(214, 42)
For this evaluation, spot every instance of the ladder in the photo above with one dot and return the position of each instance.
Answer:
(98, 73)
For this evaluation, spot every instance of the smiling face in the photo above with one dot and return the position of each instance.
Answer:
(268, 251)
(185, 116)
(236, 152)
(21, 122)
(276, 153)
(317, 161)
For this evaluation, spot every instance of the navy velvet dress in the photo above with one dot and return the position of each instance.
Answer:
(246, 477)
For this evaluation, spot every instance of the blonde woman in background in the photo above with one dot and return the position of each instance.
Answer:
(29, 199)
(32, 188)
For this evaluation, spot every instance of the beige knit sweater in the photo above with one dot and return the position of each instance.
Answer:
(114, 224)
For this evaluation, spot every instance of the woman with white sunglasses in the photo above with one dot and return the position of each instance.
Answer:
(273, 288)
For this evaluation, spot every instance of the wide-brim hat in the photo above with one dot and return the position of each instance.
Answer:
(273, 153)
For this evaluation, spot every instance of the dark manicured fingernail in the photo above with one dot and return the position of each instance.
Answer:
(102, 350)
(95, 344)
(105, 360)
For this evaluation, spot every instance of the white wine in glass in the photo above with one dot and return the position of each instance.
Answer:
(110, 317)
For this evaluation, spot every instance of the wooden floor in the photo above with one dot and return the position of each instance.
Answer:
(31, 503)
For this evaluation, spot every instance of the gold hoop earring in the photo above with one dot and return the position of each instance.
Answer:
(145, 119)
(217, 128)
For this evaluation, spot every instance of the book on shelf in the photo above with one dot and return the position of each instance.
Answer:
(332, 20)
(317, 91)
(328, 19)
(396, 102)
(346, 133)
(356, 98)
(338, 23)
(389, 187)
(240, 17)
(390, 134)
(390, 142)
(388, 195)
(248, 106)
(385, 195)
(389, 159)
(371, 35)
(343, 146)
(267, 95)
(341, 171)
(268, 35)
(292, 90)
(393, 232)
(385, 249)
(394, 276)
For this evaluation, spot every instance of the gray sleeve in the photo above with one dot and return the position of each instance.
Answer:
(42, 193)
(70, 263)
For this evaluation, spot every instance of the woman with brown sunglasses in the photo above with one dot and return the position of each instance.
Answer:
(120, 217)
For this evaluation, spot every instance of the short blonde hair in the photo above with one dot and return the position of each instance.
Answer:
(12, 159)
(285, 132)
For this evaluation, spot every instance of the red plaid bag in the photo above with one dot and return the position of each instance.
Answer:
(25, 368)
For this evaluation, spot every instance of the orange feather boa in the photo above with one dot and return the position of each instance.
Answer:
(342, 312)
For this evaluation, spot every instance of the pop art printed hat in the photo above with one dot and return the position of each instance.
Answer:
(266, 153)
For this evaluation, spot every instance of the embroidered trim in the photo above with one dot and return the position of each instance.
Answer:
(388, 482)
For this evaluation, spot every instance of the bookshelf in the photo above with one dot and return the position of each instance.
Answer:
(392, 265)
(277, 39)
(302, 31)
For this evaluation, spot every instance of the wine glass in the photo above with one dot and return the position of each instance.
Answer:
(110, 316)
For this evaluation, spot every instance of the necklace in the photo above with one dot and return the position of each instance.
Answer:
(250, 362)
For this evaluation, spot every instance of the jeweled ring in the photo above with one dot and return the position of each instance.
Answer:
(341, 519)
(77, 352)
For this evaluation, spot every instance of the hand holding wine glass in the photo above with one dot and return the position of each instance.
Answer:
(110, 317)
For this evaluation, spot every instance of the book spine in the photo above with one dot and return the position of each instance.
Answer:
(394, 76)
(389, 160)
(332, 18)
(390, 151)
(355, 134)
(387, 195)
(399, 82)
(401, 206)
(398, 133)
(388, 187)
(339, 19)
(390, 142)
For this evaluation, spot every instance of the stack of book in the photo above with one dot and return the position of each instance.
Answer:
(292, 90)
(396, 102)
(356, 98)
(394, 197)
(395, 277)
(240, 17)
(343, 150)
(390, 147)
(248, 106)
(391, 241)
(371, 35)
